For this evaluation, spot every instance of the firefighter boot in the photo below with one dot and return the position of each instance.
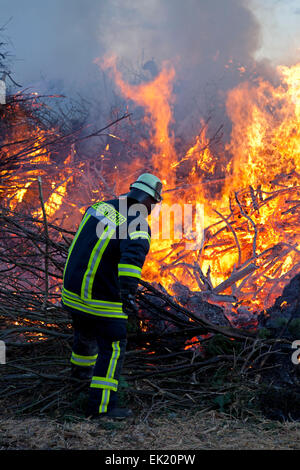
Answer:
(117, 413)
(112, 413)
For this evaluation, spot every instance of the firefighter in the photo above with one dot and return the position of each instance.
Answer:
(100, 281)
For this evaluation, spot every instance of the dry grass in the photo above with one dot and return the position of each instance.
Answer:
(208, 430)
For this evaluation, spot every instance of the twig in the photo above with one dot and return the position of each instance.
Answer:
(250, 220)
(235, 276)
(47, 244)
(234, 235)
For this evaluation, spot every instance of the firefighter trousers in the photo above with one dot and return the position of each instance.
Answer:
(98, 352)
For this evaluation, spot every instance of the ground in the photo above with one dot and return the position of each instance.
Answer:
(207, 430)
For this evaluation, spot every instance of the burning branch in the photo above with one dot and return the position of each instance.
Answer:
(235, 277)
(250, 220)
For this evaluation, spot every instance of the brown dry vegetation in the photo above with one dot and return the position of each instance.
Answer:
(208, 430)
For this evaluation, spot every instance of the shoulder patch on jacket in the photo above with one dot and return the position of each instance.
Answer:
(108, 211)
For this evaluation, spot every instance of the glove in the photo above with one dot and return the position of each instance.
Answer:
(128, 300)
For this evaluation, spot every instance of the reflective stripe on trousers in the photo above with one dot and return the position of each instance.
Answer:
(99, 349)
(105, 381)
(83, 361)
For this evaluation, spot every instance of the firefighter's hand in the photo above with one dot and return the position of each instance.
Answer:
(129, 305)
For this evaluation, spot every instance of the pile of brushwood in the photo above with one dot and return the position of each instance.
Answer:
(182, 353)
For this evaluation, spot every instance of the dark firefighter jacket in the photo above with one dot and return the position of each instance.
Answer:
(107, 254)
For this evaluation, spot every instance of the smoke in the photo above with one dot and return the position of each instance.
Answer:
(194, 31)
(53, 41)
(211, 44)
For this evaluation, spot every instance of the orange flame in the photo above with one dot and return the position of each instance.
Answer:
(239, 228)
(265, 142)
(156, 97)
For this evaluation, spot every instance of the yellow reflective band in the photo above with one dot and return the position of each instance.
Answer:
(94, 261)
(101, 304)
(91, 264)
(103, 382)
(114, 359)
(82, 224)
(93, 305)
(110, 375)
(78, 356)
(100, 312)
(84, 361)
(128, 273)
(104, 401)
(129, 270)
(141, 234)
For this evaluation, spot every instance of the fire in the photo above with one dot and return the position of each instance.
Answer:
(193, 343)
(156, 97)
(27, 141)
(264, 147)
(247, 219)
(266, 135)
(54, 202)
(201, 156)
